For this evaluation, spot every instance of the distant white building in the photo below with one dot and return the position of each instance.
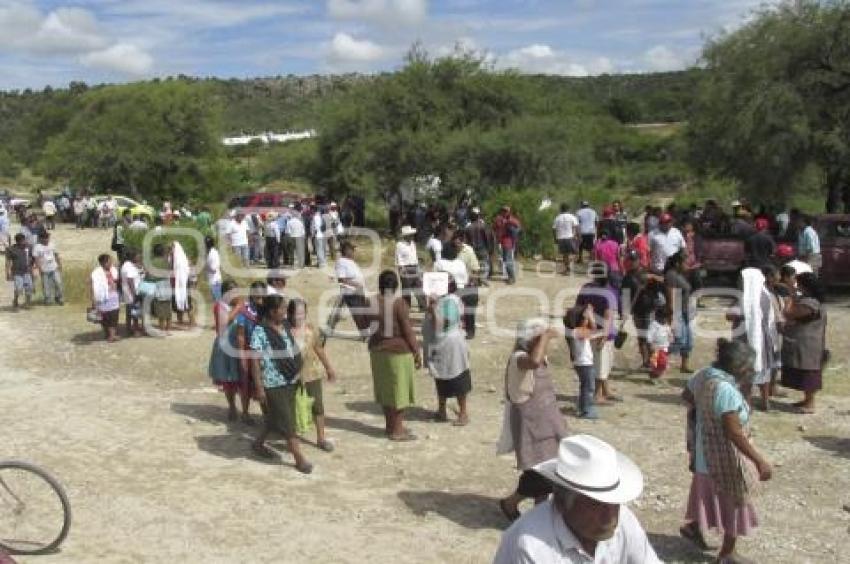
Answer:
(269, 137)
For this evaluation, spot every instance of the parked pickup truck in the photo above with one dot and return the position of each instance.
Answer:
(726, 255)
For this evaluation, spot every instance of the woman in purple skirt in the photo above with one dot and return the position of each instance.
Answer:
(726, 466)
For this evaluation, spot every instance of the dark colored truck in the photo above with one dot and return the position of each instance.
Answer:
(724, 255)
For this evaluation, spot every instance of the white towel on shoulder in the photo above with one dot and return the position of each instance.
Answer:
(180, 266)
(751, 308)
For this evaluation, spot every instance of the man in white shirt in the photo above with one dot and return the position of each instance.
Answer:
(79, 206)
(352, 285)
(407, 263)
(49, 209)
(564, 230)
(317, 229)
(131, 277)
(237, 235)
(111, 211)
(587, 219)
(435, 247)
(665, 242)
(213, 269)
(586, 519)
(48, 263)
(296, 234)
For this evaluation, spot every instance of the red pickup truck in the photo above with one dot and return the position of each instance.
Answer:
(726, 255)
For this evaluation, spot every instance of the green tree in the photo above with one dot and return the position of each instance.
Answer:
(775, 102)
(154, 140)
(459, 119)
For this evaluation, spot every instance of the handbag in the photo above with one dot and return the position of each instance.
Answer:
(621, 337)
(303, 410)
(93, 316)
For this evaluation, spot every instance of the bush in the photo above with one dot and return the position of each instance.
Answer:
(536, 235)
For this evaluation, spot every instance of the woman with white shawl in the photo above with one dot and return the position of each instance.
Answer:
(181, 272)
(760, 330)
(105, 297)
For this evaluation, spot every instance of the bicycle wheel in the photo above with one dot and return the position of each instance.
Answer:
(34, 511)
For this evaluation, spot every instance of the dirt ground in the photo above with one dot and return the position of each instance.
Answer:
(138, 436)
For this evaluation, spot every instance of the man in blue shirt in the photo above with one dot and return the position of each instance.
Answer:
(808, 244)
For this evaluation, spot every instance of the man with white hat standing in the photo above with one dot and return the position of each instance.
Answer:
(586, 519)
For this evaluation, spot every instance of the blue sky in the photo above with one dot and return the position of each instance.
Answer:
(56, 41)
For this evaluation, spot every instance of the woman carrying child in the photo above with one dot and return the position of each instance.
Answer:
(224, 364)
(315, 359)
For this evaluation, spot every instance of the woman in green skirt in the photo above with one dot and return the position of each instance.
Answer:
(395, 356)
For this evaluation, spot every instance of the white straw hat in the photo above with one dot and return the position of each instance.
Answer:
(593, 468)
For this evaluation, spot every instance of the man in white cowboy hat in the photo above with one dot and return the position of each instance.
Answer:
(586, 519)
(407, 263)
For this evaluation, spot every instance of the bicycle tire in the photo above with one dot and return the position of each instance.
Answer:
(60, 493)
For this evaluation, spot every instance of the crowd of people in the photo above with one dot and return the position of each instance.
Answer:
(266, 351)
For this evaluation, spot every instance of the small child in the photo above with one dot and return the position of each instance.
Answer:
(581, 326)
(658, 337)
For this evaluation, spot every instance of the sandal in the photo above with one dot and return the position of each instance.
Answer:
(510, 515)
(463, 422)
(440, 418)
(306, 468)
(693, 534)
(326, 445)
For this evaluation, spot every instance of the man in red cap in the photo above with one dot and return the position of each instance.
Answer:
(664, 243)
(760, 247)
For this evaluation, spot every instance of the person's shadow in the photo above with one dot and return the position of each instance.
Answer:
(839, 446)
(470, 511)
(673, 548)
(202, 412)
(669, 399)
(414, 413)
(88, 338)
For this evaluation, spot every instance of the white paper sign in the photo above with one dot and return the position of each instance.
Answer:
(435, 283)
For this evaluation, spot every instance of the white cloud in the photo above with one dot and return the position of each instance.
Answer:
(123, 58)
(204, 13)
(543, 59)
(346, 49)
(65, 30)
(385, 12)
(662, 58)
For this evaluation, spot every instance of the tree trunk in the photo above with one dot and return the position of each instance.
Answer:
(834, 191)
(846, 197)
(134, 190)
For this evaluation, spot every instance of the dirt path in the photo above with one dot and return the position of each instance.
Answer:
(154, 473)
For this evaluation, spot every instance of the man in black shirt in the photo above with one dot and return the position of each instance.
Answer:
(19, 263)
(760, 248)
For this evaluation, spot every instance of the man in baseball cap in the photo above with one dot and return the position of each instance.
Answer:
(586, 519)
